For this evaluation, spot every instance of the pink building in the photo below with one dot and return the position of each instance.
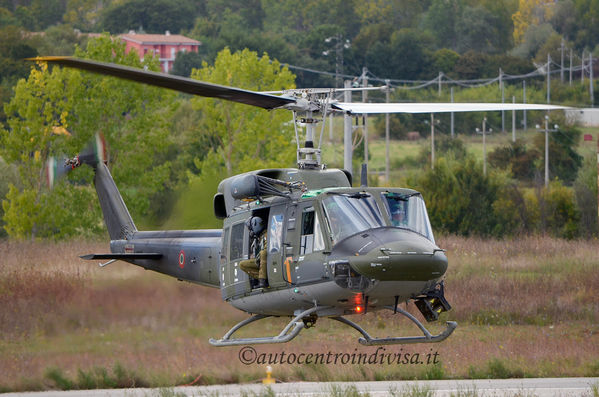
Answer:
(165, 46)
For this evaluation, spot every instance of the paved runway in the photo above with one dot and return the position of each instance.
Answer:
(485, 387)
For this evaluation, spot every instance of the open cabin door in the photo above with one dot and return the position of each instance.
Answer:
(276, 248)
(304, 244)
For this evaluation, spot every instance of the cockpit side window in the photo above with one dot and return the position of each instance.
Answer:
(348, 214)
(311, 237)
(224, 249)
(408, 211)
(237, 232)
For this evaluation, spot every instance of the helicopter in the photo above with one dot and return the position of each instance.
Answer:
(332, 250)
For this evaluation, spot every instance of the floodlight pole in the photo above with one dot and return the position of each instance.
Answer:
(561, 71)
(432, 141)
(513, 121)
(548, 78)
(501, 87)
(365, 116)
(570, 83)
(485, 146)
(387, 168)
(524, 101)
(546, 150)
(591, 91)
(347, 132)
(452, 118)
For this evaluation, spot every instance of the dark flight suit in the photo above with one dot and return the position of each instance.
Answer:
(256, 266)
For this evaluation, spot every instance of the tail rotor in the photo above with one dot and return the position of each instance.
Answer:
(92, 155)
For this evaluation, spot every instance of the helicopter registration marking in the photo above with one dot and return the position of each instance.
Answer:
(182, 259)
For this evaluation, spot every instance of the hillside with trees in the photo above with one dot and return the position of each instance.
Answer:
(163, 144)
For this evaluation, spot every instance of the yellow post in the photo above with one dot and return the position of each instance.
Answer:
(268, 380)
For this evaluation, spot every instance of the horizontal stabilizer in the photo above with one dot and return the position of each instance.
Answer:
(130, 256)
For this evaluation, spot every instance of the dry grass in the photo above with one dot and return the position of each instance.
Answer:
(526, 307)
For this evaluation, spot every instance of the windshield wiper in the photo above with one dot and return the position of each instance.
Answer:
(400, 197)
(356, 195)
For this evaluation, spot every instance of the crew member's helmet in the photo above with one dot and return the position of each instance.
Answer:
(256, 225)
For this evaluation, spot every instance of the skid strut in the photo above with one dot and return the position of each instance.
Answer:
(292, 329)
(426, 338)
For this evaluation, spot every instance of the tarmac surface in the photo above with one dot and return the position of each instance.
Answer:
(481, 387)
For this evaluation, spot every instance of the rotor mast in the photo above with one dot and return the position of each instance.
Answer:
(309, 156)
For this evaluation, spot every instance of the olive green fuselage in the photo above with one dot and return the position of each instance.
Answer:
(311, 261)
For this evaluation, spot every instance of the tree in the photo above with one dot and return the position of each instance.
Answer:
(534, 38)
(61, 40)
(185, 62)
(444, 60)
(83, 14)
(459, 197)
(154, 16)
(529, 13)
(40, 14)
(248, 137)
(408, 55)
(517, 158)
(478, 30)
(131, 116)
(442, 19)
(471, 65)
(564, 161)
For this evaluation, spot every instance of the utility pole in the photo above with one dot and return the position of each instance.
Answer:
(340, 44)
(440, 81)
(561, 71)
(365, 127)
(591, 91)
(331, 127)
(547, 131)
(338, 59)
(582, 68)
(452, 128)
(524, 101)
(485, 146)
(502, 99)
(513, 121)
(387, 168)
(548, 78)
(570, 67)
(546, 150)
(347, 132)
(432, 141)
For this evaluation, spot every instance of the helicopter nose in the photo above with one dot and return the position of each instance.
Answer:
(399, 255)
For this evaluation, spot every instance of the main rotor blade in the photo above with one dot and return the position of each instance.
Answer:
(183, 84)
(375, 108)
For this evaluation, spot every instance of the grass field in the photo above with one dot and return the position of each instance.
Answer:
(525, 307)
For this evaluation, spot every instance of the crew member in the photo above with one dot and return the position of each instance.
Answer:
(256, 267)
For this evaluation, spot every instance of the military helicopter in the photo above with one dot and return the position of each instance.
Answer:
(332, 249)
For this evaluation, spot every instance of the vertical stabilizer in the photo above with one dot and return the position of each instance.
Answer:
(116, 216)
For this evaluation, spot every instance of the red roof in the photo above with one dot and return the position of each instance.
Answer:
(159, 39)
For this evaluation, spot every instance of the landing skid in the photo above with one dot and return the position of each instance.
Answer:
(368, 340)
(292, 329)
(295, 326)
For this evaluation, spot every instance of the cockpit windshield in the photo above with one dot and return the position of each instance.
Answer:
(408, 211)
(348, 214)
